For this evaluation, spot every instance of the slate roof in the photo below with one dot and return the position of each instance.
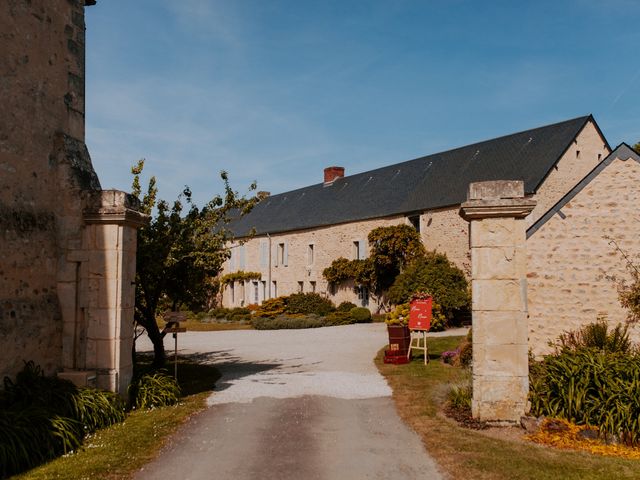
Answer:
(425, 183)
(622, 151)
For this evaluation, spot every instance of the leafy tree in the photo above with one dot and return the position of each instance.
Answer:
(392, 248)
(436, 274)
(180, 251)
(636, 147)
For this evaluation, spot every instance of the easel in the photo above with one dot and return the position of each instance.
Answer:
(419, 323)
(416, 335)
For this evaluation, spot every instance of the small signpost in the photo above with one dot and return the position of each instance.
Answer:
(420, 313)
(173, 320)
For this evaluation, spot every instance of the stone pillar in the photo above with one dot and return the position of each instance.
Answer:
(104, 321)
(496, 211)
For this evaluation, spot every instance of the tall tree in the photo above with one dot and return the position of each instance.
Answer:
(180, 253)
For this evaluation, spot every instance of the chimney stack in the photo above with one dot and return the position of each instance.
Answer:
(331, 173)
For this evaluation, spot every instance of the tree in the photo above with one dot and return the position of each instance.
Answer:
(179, 254)
(436, 274)
(392, 248)
(636, 147)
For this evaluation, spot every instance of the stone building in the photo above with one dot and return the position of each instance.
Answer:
(573, 264)
(68, 247)
(299, 233)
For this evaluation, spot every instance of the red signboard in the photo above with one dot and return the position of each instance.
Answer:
(420, 314)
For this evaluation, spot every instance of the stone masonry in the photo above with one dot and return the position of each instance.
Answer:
(67, 262)
(496, 211)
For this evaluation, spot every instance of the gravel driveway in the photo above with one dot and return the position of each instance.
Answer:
(293, 404)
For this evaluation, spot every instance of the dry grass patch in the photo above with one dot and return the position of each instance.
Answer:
(420, 393)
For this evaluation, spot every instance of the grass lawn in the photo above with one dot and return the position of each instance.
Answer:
(420, 391)
(118, 451)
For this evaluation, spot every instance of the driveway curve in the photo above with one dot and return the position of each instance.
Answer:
(293, 404)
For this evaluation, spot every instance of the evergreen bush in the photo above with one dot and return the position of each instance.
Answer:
(309, 303)
(439, 276)
(360, 315)
(346, 307)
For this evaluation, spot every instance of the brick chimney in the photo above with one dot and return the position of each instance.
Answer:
(331, 173)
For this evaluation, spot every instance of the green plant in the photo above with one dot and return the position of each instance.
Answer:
(43, 417)
(239, 276)
(436, 274)
(596, 335)
(287, 322)
(360, 315)
(588, 386)
(339, 318)
(346, 307)
(399, 315)
(308, 303)
(272, 307)
(465, 357)
(459, 397)
(153, 390)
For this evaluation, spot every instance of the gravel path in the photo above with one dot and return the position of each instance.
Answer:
(294, 404)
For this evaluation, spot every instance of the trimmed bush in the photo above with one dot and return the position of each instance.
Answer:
(346, 307)
(360, 315)
(287, 321)
(272, 307)
(436, 274)
(154, 390)
(339, 318)
(309, 303)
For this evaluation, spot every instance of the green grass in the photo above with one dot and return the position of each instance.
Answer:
(118, 451)
(420, 391)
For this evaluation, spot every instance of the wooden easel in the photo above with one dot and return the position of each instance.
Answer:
(423, 334)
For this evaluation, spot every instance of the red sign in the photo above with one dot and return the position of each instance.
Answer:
(420, 314)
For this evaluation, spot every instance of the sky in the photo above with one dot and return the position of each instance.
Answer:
(275, 91)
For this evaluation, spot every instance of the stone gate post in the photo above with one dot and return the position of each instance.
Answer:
(496, 211)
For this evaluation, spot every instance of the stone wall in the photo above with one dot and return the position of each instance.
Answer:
(570, 259)
(49, 197)
(328, 243)
(585, 152)
(44, 171)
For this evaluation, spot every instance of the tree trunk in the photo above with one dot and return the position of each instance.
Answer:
(157, 338)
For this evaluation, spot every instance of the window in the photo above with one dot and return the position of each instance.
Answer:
(242, 257)
(232, 292)
(264, 253)
(282, 254)
(256, 293)
(313, 287)
(264, 290)
(274, 289)
(359, 250)
(415, 221)
(300, 287)
(232, 260)
(310, 253)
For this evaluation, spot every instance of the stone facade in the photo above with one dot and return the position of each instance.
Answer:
(571, 260)
(441, 229)
(287, 264)
(53, 276)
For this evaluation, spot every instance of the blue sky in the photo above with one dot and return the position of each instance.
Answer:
(275, 91)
